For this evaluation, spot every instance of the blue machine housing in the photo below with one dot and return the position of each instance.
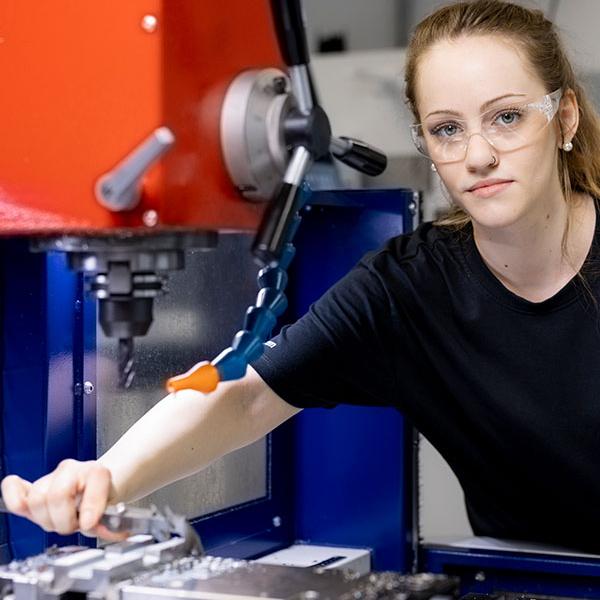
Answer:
(353, 465)
(335, 477)
(48, 345)
(47, 342)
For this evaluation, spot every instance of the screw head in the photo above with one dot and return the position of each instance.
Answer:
(480, 576)
(276, 521)
(149, 23)
(150, 218)
(88, 388)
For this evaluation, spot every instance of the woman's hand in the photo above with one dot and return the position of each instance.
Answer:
(70, 498)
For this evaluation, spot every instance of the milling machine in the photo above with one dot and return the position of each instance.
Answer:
(132, 140)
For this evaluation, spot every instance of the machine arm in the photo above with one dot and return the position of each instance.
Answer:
(303, 135)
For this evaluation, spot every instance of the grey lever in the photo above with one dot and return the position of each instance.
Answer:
(151, 521)
(120, 188)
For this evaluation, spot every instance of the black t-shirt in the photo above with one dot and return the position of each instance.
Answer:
(507, 390)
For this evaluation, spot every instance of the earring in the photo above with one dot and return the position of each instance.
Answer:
(432, 167)
(568, 146)
(493, 163)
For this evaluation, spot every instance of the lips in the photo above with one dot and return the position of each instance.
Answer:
(489, 187)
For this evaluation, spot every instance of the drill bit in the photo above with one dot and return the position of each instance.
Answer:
(125, 362)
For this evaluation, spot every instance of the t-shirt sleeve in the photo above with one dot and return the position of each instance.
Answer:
(340, 351)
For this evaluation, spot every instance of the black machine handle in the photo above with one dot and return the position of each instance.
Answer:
(289, 25)
(308, 134)
(281, 218)
(359, 155)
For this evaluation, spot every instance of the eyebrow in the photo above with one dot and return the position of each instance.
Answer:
(484, 106)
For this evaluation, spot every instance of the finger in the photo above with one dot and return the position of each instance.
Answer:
(14, 493)
(113, 536)
(38, 507)
(96, 490)
(62, 497)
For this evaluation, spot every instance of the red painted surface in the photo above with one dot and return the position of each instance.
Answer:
(83, 84)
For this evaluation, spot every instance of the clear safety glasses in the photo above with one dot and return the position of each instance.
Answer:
(507, 127)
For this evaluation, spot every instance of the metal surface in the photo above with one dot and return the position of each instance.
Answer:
(538, 573)
(203, 309)
(298, 166)
(159, 524)
(253, 147)
(301, 88)
(139, 570)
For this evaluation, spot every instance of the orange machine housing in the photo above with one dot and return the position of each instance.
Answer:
(83, 83)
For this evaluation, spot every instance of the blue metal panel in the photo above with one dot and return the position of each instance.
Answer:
(488, 571)
(353, 465)
(41, 414)
(49, 352)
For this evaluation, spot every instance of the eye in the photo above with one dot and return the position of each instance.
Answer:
(508, 117)
(445, 130)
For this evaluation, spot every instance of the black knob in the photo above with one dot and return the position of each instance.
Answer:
(359, 156)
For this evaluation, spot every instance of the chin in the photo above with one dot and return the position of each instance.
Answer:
(492, 214)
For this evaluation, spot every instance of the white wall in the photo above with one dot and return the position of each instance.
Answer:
(365, 23)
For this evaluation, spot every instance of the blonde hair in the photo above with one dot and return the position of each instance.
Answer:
(537, 39)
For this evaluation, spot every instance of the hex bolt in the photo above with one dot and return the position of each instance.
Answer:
(149, 23)
(480, 576)
(88, 388)
(276, 521)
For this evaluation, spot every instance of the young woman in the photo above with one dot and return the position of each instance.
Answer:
(483, 329)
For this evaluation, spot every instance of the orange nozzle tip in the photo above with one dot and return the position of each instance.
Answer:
(202, 377)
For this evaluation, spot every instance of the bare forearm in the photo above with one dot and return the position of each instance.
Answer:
(187, 431)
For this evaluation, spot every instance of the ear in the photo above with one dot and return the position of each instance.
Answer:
(568, 116)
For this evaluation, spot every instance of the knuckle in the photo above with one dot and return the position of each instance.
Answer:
(58, 495)
(100, 469)
(36, 498)
(66, 528)
(65, 464)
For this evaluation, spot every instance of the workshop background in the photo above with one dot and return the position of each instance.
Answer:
(320, 479)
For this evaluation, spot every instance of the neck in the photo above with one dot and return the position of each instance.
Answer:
(534, 259)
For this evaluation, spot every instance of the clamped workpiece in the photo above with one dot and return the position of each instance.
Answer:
(304, 135)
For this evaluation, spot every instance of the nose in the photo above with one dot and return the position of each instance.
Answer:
(479, 153)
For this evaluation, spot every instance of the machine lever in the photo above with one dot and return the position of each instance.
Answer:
(276, 228)
(135, 520)
(120, 189)
(289, 25)
(358, 155)
(149, 521)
